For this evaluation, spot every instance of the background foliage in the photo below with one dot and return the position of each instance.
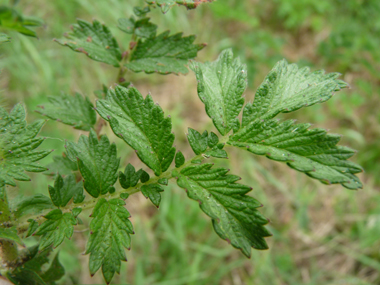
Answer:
(322, 234)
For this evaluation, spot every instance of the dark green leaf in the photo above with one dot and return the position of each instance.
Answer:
(94, 40)
(144, 176)
(56, 227)
(64, 190)
(110, 234)
(124, 196)
(220, 87)
(152, 191)
(163, 54)
(97, 162)
(12, 20)
(74, 110)
(216, 152)
(130, 177)
(179, 159)
(23, 276)
(234, 214)
(197, 141)
(10, 234)
(313, 152)
(18, 142)
(288, 88)
(141, 124)
(33, 204)
(212, 140)
(55, 271)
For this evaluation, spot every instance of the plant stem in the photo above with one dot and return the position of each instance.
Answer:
(89, 204)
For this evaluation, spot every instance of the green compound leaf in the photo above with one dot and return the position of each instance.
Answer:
(56, 227)
(163, 54)
(10, 234)
(220, 87)
(166, 4)
(94, 40)
(97, 162)
(4, 38)
(152, 191)
(18, 142)
(65, 189)
(142, 28)
(71, 110)
(288, 88)
(313, 152)
(234, 215)
(10, 19)
(110, 234)
(141, 124)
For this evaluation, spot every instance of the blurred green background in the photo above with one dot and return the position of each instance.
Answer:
(321, 234)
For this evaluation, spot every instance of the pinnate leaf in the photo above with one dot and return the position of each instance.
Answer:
(234, 214)
(97, 162)
(94, 40)
(220, 87)
(74, 110)
(288, 88)
(141, 124)
(313, 152)
(18, 143)
(110, 234)
(163, 54)
(65, 189)
(152, 191)
(56, 227)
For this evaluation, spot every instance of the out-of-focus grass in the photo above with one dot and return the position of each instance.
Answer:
(321, 234)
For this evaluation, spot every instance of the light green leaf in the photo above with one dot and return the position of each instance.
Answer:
(65, 189)
(163, 54)
(142, 28)
(56, 227)
(74, 110)
(152, 191)
(12, 20)
(33, 204)
(313, 152)
(141, 124)
(18, 143)
(110, 234)
(141, 12)
(97, 162)
(94, 40)
(288, 88)
(234, 214)
(220, 87)
(4, 38)
(61, 164)
(10, 234)
(32, 227)
(166, 4)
